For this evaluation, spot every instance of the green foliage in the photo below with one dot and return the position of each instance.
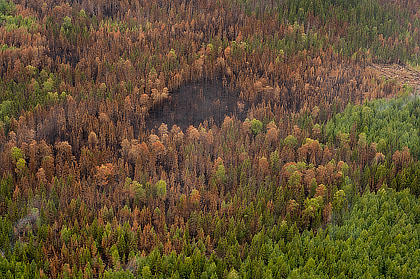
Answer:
(221, 174)
(408, 178)
(65, 235)
(6, 8)
(119, 274)
(339, 201)
(67, 26)
(15, 22)
(36, 89)
(291, 141)
(5, 109)
(48, 85)
(233, 274)
(256, 126)
(391, 124)
(82, 14)
(139, 191)
(12, 21)
(21, 165)
(52, 97)
(16, 153)
(146, 273)
(161, 189)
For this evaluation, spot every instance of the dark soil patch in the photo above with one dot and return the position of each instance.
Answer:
(195, 103)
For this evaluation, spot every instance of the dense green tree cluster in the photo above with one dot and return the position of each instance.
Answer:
(11, 21)
(391, 129)
(7, 8)
(390, 124)
(37, 88)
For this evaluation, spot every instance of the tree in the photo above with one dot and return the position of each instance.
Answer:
(104, 173)
(146, 273)
(21, 166)
(16, 153)
(161, 189)
(339, 204)
(256, 126)
(291, 141)
(195, 197)
(233, 274)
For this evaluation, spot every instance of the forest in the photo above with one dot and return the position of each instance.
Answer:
(209, 139)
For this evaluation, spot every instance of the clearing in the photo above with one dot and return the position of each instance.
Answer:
(402, 74)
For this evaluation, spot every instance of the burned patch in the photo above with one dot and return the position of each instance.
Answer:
(195, 103)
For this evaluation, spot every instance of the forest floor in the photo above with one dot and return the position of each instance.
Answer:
(402, 74)
(195, 103)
